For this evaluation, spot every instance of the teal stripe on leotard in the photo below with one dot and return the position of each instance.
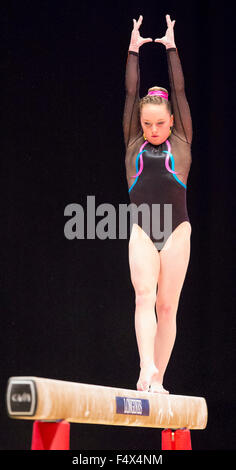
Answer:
(173, 168)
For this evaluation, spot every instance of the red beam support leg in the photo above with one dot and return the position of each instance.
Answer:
(51, 435)
(176, 440)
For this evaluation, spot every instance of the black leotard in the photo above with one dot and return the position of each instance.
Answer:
(155, 184)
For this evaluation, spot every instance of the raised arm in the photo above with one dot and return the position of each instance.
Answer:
(131, 121)
(181, 110)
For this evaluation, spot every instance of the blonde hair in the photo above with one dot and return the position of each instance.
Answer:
(155, 99)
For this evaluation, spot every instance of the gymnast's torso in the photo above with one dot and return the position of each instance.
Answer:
(155, 186)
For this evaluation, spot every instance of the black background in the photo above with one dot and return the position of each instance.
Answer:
(67, 306)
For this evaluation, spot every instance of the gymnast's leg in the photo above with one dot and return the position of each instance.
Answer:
(144, 261)
(174, 259)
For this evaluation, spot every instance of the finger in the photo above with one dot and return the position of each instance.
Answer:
(168, 20)
(173, 23)
(134, 21)
(139, 21)
(160, 39)
(147, 40)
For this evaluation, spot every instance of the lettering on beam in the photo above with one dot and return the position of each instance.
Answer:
(132, 406)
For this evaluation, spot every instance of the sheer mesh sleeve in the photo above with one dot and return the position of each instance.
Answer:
(181, 111)
(131, 122)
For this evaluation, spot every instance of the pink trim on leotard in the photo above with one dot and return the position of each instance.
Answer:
(168, 157)
(166, 160)
(141, 160)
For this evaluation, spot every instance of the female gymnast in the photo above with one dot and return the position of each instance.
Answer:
(158, 160)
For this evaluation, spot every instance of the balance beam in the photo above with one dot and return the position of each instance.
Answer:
(38, 398)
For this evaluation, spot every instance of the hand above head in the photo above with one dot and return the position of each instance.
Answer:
(168, 40)
(136, 40)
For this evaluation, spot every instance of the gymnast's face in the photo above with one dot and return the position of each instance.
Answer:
(156, 122)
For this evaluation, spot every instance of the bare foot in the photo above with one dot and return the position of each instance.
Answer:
(157, 387)
(147, 375)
